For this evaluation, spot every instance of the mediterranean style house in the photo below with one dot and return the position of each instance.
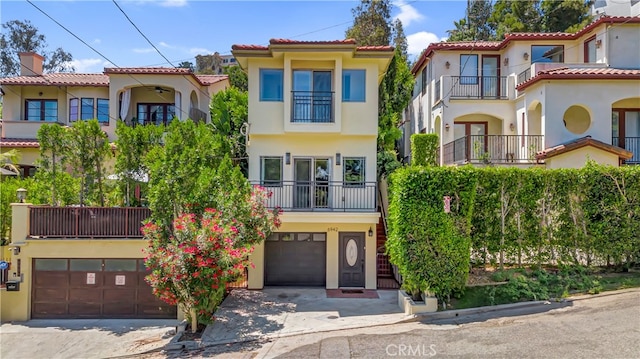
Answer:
(313, 124)
(553, 99)
(139, 95)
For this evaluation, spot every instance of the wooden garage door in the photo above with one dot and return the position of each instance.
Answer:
(295, 259)
(94, 288)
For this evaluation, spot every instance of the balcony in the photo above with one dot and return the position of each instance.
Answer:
(631, 144)
(478, 88)
(196, 115)
(86, 222)
(322, 196)
(498, 149)
(312, 107)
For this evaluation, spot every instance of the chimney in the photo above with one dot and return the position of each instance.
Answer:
(30, 64)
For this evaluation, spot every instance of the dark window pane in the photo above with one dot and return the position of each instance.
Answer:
(51, 264)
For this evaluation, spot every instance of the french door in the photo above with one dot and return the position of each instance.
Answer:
(625, 131)
(311, 189)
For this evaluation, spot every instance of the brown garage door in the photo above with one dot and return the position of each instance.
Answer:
(94, 288)
(295, 259)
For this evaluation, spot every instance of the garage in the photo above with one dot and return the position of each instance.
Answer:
(94, 288)
(295, 259)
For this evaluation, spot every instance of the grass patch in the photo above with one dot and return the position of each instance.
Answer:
(530, 285)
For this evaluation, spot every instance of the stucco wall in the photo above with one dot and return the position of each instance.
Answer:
(316, 222)
(624, 40)
(579, 157)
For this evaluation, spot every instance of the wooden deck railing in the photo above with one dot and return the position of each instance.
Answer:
(86, 222)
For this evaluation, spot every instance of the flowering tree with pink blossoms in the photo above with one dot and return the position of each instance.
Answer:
(204, 253)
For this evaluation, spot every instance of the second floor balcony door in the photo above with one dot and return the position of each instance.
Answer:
(311, 177)
(490, 76)
(312, 96)
(470, 139)
(625, 131)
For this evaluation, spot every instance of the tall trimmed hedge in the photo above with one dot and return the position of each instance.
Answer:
(430, 247)
(510, 216)
(424, 149)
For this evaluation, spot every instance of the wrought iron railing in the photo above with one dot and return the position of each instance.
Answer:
(524, 76)
(631, 144)
(197, 115)
(478, 87)
(312, 106)
(322, 196)
(503, 149)
(87, 222)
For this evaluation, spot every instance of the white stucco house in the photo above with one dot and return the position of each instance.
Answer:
(510, 102)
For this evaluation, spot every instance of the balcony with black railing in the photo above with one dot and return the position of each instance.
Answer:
(478, 88)
(312, 107)
(322, 196)
(498, 149)
(631, 144)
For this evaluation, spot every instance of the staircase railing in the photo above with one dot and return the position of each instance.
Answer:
(383, 200)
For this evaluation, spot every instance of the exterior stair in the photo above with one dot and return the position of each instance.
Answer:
(386, 279)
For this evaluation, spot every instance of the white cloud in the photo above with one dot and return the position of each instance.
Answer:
(144, 50)
(164, 44)
(408, 13)
(88, 66)
(173, 3)
(420, 40)
(97, 41)
(199, 51)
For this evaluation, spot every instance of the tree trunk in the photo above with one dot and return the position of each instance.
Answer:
(194, 320)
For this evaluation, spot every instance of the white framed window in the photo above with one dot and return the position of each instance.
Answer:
(271, 171)
(353, 171)
(468, 69)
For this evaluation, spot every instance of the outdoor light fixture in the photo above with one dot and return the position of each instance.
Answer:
(338, 159)
(447, 64)
(287, 158)
(512, 126)
(15, 250)
(505, 62)
(446, 127)
(598, 43)
(21, 193)
(525, 56)
(370, 232)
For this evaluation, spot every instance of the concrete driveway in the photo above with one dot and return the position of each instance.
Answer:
(83, 338)
(276, 312)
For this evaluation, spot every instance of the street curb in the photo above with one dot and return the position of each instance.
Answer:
(457, 313)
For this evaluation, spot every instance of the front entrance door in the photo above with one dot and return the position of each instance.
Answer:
(351, 260)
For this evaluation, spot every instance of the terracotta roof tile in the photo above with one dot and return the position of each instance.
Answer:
(300, 42)
(211, 79)
(374, 48)
(59, 79)
(565, 73)
(497, 45)
(19, 143)
(148, 70)
(249, 47)
(579, 143)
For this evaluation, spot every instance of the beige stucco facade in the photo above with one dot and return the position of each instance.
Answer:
(524, 98)
(578, 158)
(16, 305)
(350, 132)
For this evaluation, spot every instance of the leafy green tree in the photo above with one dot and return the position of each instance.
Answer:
(21, 36)
(8, 188)
(187, 65)
(475, 25)
(565, 15)
(53, 158)
(371, 23)
(237, 77)
(132, 145)
(516, 16)
(229, 115)
(9, 160)
(88, 148)
(399, 38)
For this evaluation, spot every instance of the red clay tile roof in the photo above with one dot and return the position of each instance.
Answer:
(300, 42)
(211, 79)
(59, 79)
(374, 48)
(497, 45)
(582, 142)
(249, 47)
(19, 143)
(565, 73)
(148, 70)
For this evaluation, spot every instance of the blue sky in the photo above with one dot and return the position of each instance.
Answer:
(182, 29)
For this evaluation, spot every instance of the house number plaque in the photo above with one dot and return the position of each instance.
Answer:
(332, 229)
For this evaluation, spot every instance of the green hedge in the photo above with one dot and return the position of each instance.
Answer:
(424, 149)
(510, 216)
